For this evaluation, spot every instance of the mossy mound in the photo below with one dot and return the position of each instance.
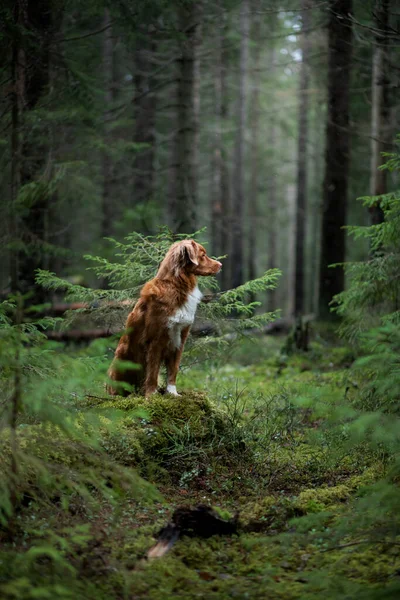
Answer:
(161, 406)
(177, 433)
(269, 513)
(318, 499)
(52, 465)
(274, 512)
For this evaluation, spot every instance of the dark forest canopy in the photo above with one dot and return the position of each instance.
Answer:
(261, 121)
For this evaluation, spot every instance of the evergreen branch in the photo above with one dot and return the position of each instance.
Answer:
(86, 35)
(341, 546)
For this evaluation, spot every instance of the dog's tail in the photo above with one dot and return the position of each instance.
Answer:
(132, 374)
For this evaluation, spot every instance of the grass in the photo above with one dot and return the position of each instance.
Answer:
(248, 435)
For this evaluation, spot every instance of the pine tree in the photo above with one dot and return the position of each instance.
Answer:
(337, 153)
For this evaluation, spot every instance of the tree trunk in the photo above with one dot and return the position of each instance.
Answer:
(302, 149)
(237, 250)
(380, 110)
(145, 117)
(315, 206)
(272, 203)
(186, 139)
(287, 253)
(109, 99)
(255, 146)
(216, 207)
(337, 156)
(36, 35)
(221, 199)
(17, 99)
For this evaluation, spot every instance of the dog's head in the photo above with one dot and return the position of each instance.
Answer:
(190, 257)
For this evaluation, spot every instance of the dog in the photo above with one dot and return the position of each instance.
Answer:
(159, 324)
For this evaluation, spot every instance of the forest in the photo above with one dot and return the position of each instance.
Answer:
(269, 132)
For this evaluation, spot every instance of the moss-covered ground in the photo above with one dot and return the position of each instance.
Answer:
(253, 436)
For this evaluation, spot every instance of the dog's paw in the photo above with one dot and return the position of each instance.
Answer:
(171, 389)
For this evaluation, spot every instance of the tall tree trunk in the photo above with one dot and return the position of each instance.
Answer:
(109, 99)
(337, 155)
(221, 199)
(255, 145)
(302, 148)
(380, 110)
(290, 234)
(36, 38)
(186, 139)
(216, 206)
(17, 100)
(272, 202)
(237, 250)
(145, 118)
(315, 206)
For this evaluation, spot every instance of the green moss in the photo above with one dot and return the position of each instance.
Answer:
(53, 467)
(124, 446)
(316, 500)
(169, 438)
(271, 512)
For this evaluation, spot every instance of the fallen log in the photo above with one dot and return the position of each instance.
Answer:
(86, 335)
(60, 308)
(201, 521)
(200, 329)
(77, 335)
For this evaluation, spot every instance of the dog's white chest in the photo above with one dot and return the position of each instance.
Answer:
(183, 317)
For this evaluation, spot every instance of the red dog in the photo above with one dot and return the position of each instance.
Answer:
(159, 324)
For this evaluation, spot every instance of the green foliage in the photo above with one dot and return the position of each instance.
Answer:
(46, 449)
(373, 293)
(364, 421)
(135, 261)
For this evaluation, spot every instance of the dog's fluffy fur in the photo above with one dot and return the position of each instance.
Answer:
(159, 324)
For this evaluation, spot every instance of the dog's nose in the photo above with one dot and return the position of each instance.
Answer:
(219, 265)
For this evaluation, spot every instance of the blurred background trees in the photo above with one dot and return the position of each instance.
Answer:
(262, 121)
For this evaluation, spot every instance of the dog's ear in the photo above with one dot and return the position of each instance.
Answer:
(191, 250)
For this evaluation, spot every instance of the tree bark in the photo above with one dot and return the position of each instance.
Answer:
(221, 202)
(109, 99)
(315, 210)
(17, 99)
(145, 118)
(302, 148)
(272, 203)
(288, 252)
(38, 29)
(237, 249)
(337, 155)
(380, 110)
(255, 145)
(216, 207)
(186, 139)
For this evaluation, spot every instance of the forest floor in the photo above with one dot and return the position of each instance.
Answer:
(250, 437)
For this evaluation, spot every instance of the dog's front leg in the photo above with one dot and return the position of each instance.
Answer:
(153, 364)
(172, 363)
